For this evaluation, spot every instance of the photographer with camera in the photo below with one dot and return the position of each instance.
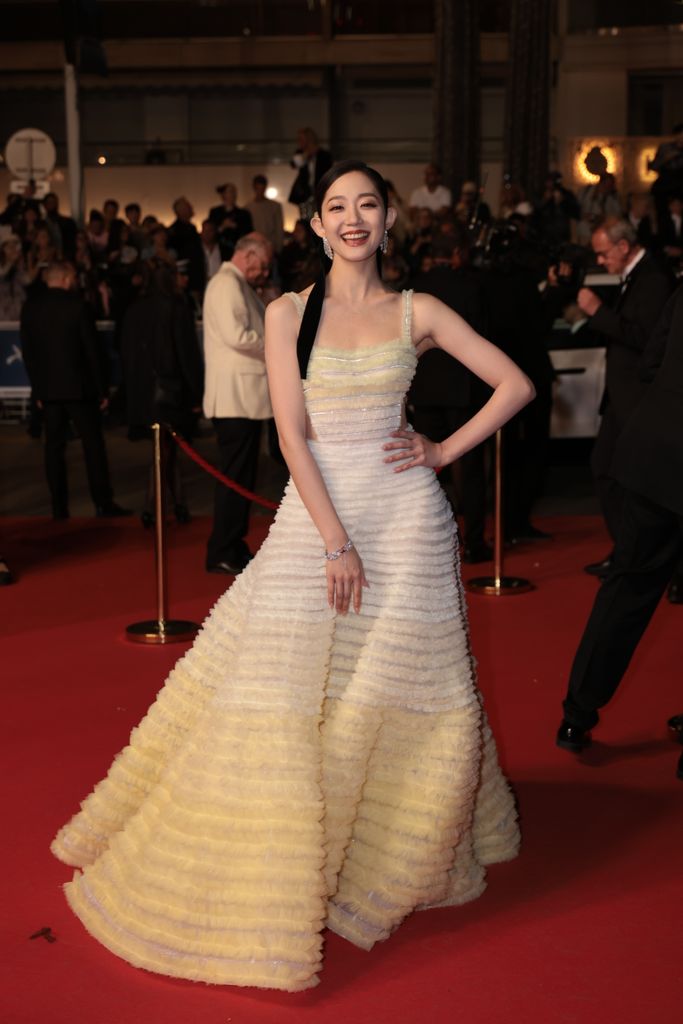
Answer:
(560, 290)
(310, 161)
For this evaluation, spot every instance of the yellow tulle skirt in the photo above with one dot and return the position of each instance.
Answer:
(299, 769)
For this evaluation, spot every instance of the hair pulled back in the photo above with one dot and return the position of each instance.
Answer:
(314, 306)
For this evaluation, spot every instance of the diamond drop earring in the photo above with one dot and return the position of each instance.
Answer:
(385, 242)
(327, 249)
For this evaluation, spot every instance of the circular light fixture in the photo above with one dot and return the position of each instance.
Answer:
(271, 192)
(646, 154)
(101, 160)
(594, 148)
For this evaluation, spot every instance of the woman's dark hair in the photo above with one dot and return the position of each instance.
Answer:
(314, 306)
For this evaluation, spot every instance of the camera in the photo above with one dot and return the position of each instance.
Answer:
(571, 265)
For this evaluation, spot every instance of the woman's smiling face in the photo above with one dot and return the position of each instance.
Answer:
(353, 217)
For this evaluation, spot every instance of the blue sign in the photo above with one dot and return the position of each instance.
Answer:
(12, 369)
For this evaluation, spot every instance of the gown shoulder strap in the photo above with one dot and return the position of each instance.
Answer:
(299, 303)
(408, 313)
(310, 320)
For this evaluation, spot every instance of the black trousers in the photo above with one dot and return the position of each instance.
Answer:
(437, 423)
(610, 493)
(87, 419)
(238, 444)
(648, 547)
(526, 442)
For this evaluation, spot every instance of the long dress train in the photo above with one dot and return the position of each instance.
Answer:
(301, 769)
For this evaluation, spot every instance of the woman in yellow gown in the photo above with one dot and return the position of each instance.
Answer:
(320, 756)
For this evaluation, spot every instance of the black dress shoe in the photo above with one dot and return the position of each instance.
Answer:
(6, 577)
(675, 725)
(599, 569)
(111, 511)
(571, 737)
(675, 591)
(477, 553)
(226, 568)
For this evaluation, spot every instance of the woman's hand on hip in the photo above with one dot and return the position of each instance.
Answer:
(412, 449)
(345, 582)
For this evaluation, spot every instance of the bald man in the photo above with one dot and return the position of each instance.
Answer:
(236, 391)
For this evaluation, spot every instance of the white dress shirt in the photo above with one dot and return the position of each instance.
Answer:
(212, 260)
(436, 200)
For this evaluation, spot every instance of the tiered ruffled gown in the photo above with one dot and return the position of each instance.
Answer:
(301, 769)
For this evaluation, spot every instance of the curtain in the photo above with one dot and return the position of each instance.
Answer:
(527, 107)
(456, 145)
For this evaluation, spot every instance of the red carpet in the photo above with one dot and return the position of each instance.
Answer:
(584, 927)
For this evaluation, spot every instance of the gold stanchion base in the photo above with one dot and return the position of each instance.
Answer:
(155, 632)
(498, 586)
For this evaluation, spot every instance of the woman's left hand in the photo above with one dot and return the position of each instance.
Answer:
(411, 449)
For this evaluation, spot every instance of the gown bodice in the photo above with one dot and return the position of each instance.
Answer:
(358, 393)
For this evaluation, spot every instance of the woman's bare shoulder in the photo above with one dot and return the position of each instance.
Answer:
(426, 310)
(282, 310)
(423, 302)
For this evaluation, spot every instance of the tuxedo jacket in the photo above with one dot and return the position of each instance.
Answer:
(235, 382)
(184, 238)
(63, 358)
(228, 237)
(649, 453)
(627, 328)
(440, 380)
(669, 234)
(159, 340)
(518, 320)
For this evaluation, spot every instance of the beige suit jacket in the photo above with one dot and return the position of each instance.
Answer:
(235, 382)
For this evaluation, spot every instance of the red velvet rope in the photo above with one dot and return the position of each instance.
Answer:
(232, 484)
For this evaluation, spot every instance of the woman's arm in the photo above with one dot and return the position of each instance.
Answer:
(344, 575)
(434, 324)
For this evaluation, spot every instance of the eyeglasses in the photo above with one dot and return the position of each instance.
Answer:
(604, 252)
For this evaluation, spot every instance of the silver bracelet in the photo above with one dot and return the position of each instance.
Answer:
(332, 556)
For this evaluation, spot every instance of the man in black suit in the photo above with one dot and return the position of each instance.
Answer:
(65, 368)
(518, 325)
(232, 221)
(645, 288)
(648, 465)
(444, 394)
(184, 239)
(63, 229)
(671, 232)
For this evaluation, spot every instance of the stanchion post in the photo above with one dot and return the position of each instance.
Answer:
(161, 630)
(159, 526)
(498, 585)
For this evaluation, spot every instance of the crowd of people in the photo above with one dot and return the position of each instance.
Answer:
(115, 247)
(509, 276)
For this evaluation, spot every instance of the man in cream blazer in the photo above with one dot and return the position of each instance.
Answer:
(235, 392)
